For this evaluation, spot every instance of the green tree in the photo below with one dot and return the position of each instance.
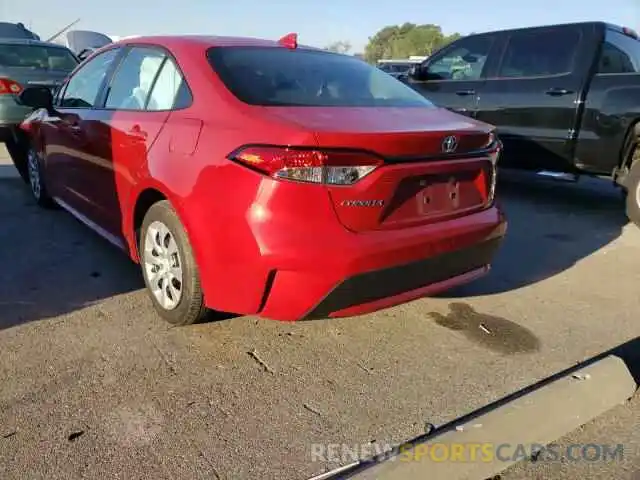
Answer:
(341, 46)
(401, 41)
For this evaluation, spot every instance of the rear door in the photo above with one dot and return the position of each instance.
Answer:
(455, 75)
(135, 107)
(534, 94)
(612, 92)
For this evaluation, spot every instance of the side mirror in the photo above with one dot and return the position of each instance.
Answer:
(419, 73)
(37, 97)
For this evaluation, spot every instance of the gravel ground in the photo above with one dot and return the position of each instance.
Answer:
(94, 385)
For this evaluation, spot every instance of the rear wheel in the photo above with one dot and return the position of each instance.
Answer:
(17, 148)
(632, 184)
(169, 268)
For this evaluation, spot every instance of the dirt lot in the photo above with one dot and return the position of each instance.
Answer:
(94, 385)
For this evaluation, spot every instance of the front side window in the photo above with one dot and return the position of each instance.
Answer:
(539, 54)
(83, 87)
(274, 76)
(463, 61)
(620, 54)
(132, 82)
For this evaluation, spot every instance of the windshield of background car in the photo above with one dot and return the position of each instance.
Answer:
(37, 57)
(272, 76)
(395, 67)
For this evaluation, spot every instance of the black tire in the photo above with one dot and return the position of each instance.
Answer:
(190, 307)
(632, 186)
(18, 152)
(36, 179)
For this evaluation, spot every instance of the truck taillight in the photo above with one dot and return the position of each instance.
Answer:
(9, 87)
(308, 165)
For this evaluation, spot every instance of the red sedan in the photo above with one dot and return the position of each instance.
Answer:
(263, 177)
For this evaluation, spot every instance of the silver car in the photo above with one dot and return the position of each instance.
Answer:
(26, 62)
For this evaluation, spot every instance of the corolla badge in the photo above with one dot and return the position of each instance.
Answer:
(449, 144)
(362, 203)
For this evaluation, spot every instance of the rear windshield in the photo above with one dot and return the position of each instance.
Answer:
(39, 57)
(271, 76)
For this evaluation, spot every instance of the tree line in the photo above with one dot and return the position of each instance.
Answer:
(400, 41)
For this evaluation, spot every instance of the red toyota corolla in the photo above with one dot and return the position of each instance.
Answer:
(262, 177)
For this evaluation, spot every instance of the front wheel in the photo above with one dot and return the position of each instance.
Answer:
(169, 268)
(36, 179)
(632, 185)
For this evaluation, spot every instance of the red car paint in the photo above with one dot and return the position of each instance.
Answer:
(275, 247)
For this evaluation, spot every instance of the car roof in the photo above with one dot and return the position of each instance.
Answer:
(28, 41)
(205, 41)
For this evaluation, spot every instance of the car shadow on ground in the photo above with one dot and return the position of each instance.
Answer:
(552, 226)
(52, 263)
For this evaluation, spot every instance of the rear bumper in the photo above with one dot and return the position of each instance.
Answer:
(379, 270)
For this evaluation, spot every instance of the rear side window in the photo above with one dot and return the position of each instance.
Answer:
(272, 76)
(37, 57)
(620, 54)
(539, 54)
(132, 82)
(170, 89)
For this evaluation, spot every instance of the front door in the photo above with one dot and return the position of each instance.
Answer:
(69, 139)
(454, 77)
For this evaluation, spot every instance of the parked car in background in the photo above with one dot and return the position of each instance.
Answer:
(565, 98)
(16, 30)
(84, 42)
(261, 177)
(395, 68)
(25, 63)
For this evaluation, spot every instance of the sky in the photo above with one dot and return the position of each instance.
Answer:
(318, 23)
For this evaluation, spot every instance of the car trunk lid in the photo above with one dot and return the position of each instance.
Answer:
(435, 163)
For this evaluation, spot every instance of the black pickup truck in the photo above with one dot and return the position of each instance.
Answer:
(565, 98)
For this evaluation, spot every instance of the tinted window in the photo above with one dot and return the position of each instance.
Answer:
(83, 87)
(301, 77)
(394, 67)
(620, 54)
(37, 57)
(540, 53)
(132, 82)
(465, 60)
(170, 90)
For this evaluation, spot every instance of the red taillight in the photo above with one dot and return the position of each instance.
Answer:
(308, 165)
(9, 87)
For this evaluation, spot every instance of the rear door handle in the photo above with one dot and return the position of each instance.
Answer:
(465, 93)
(558, 92)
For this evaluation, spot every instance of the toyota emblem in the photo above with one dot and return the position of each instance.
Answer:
(449, 144)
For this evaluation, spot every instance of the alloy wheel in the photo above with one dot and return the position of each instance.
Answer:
(33, 165)
(162, 264)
